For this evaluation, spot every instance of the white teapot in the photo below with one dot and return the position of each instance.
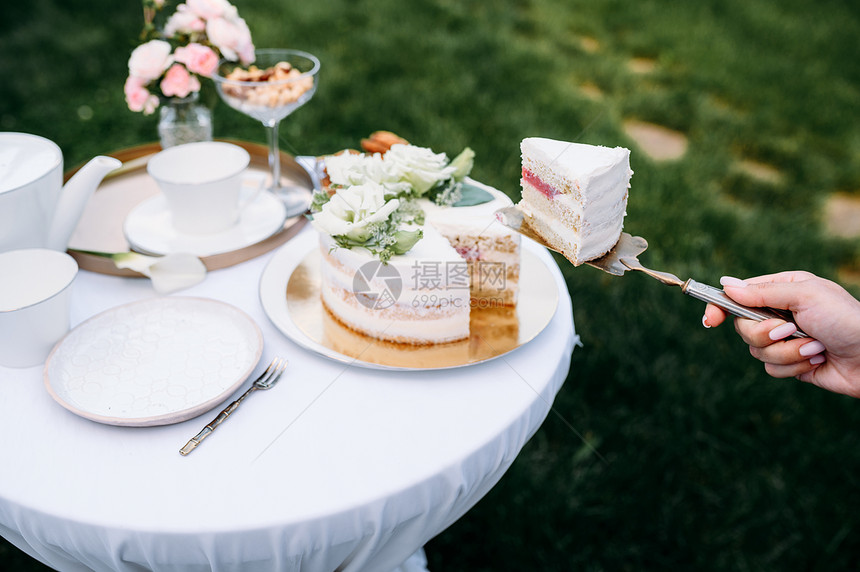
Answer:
(36, 210)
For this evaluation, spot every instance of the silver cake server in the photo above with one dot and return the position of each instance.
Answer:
(624, 256)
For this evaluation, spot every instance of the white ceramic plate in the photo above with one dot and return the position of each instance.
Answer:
(154, 362)
(299, 315)
(148, 228)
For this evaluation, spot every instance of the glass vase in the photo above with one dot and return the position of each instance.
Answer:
(184, 120)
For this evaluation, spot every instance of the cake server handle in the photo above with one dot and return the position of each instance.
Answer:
(719, 298)
(711, 295)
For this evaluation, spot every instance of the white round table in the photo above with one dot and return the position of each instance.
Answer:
(338, 467)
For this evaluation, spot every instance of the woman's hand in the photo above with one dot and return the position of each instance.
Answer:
(821, 308)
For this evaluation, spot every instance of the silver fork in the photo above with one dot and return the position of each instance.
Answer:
(266, 380)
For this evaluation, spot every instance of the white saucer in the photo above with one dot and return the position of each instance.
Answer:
(154, 362)
(148, 228)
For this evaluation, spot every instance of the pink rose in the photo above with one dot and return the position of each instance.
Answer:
(178, 82)
(209, 9)
(197, 58)
(183, 20)
(148, 61)
(138, 97)
(232, 38)
(135, 94)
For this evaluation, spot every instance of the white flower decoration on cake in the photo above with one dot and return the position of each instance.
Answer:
(352, 210)
(348, 169)
(419, 166)
(401, 169)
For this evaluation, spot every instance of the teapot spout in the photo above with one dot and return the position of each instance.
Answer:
(73, 199)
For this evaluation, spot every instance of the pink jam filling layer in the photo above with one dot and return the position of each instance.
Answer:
(468, 253)
(534, 181)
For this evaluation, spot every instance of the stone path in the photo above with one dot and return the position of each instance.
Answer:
(658, 142)
(842, 215)
(760, 171)
(842, 219)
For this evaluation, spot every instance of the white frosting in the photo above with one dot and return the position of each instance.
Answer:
(427, 310)
(433, 331)
(473, 220)
(575, 161)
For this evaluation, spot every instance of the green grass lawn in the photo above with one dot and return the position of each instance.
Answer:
(668, 446)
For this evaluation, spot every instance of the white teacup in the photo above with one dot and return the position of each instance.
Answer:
(34, 303)
(202, 184)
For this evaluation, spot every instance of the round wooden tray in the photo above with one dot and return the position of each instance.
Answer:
(100, 227)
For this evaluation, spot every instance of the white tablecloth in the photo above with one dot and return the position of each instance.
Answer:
(336, 468)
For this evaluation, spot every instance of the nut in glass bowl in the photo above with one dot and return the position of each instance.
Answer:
(276, 86)
(279, 82)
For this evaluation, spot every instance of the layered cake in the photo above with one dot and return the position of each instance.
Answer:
(410, 244)
(390, 301)
(574, 196)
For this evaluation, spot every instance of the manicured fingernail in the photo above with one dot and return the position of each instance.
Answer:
(731, 281)
(705, 322)
(782, 331)
(812, 348)
(815, 360)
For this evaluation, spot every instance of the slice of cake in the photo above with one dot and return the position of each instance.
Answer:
(574, 196)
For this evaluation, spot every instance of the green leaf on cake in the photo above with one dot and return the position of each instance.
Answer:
(458, 194)
(471, 195)
(462, 164)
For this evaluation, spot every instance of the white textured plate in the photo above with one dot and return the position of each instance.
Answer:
(289, 293)
(154, 362)
(148, 228)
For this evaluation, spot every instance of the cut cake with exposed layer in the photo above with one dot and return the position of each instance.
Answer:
(395, 301)
(574, 196)
(466, 259)
(491, 250)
